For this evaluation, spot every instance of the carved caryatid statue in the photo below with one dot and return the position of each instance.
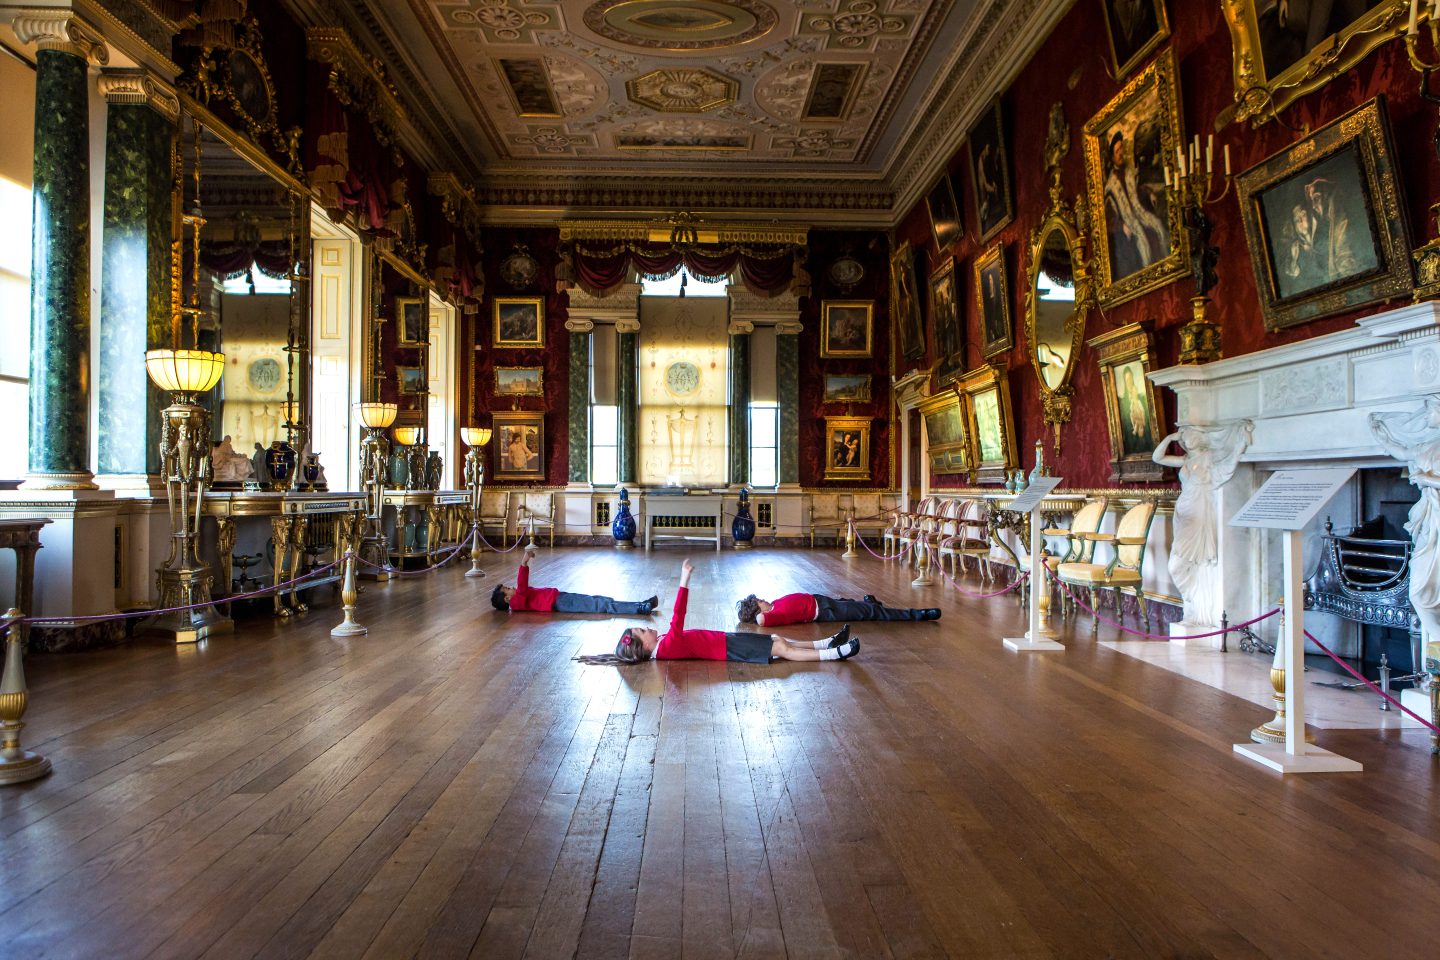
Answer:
(1414, 439)
(1211, 455)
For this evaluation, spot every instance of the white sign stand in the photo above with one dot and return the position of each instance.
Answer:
(1288, 501)
(1039, 637)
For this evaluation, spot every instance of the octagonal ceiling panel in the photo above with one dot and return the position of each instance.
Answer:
(681, 90)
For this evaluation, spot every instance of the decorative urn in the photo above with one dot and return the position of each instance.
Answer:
(279, 464)
(742, 528)
(311, 470)
(622, 528)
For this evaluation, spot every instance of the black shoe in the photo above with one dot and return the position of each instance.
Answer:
(930, 613)
(870, 598)
(652, 604)
(840, 637)
(849, 648)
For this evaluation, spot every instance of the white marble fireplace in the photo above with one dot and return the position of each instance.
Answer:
(1304, 404)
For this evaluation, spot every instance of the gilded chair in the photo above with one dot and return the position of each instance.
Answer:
(868, 515)
(825, 515)
(926, 526)
(537, 512)
(1078, 547)
(1126, 564)
(968, 536)
(495, 514)
(903, 521)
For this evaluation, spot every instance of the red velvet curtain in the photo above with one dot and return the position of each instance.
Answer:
(765, 270)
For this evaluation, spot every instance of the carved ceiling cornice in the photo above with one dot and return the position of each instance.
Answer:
(661, 231)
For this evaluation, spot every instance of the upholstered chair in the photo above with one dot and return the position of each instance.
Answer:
(1125, 567)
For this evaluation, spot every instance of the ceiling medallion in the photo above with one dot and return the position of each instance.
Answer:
(682, 90)
(681, 24)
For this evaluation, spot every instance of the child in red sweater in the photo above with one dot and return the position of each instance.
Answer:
(641, 643)
(818, 608)
(522, 596)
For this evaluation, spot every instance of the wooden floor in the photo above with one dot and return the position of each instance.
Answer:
(455, 785)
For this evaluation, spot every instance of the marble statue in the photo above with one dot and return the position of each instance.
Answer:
(228, 466)
(1414, 439)
(1211, 455)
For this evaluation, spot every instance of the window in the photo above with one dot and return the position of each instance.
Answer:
(15, 212)
(684, 285)
(254, 281)
(604, 445)
(764, 444)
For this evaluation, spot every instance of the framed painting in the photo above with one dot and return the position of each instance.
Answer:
(1283, 50)
(945, 319)
(412, 380)
(845, 328)
(519, 322)
(992, 301)
(412, 321)
(991, 423)
(519, 445)
(905, 303)
(1140, 243)
(1135, 28)
(1325, 221)
(944, 213)
(990, 174)
(947, 440)
(520, 381)
(1132, 405)
(847, 388)
(847, 448)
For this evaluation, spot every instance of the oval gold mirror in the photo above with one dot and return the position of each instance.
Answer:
(1057, 301)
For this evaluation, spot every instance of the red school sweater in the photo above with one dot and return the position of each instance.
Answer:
(681, 644)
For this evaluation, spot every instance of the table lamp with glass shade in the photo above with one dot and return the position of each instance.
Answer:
(375, 416)
(475, 438)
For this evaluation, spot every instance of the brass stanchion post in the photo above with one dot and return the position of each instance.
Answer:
(17, 765)
(849, 539)
(349, 594)
(922, 562)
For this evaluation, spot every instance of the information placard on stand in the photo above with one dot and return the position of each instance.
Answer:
(1288, 501)
(1039, 637)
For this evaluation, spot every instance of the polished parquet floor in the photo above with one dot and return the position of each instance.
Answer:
(455, 785)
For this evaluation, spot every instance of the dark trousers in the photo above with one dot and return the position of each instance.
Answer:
(584, 603)
(748, 647)
(839, 609)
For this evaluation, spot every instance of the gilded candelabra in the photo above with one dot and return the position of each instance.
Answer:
(475, 438)
(1192, 185)
(1427, 257)
(375, 416)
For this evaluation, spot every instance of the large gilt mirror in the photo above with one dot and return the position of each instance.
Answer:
(1058, 298)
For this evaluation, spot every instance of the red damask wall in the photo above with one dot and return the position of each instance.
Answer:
(1071, 68)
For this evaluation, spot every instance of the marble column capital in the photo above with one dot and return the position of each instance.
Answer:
(579, 326)
(740, 328)
(62, 30)
(789, 327)
(138, 87)
(627, 326)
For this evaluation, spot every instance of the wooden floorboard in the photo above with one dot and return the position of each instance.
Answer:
(455, 785)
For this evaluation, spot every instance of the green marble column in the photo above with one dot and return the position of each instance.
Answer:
(60, 277)
(135, 285)
(627, 358)
(787, 382)
(740, 402)
(579, 400)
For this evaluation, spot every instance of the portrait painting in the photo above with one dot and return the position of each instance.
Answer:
(845, 327)
(945, 319)
(1140, 243)
(947, 446)
(1135, 28)
(990, 174)
(847, 388)
(411, 379)
(992, 300)
(519, 445)
(519, 381)
(847, 448)
(413, 321)
(944, 213)
(1325, 221)
(991, 422)
(905, 303)
(519, 322)
(1132, 409)
(1289, 29)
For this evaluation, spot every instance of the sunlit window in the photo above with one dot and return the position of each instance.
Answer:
(254, 281)
(15, 212)
(604, 445)
(684, 285)
(764, 444)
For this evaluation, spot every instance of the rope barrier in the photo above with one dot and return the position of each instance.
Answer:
(140, 614)
(1361, 677)
(1014, 585)
(893, 556)
(423, 570)
(495, 549)
(1153, 636)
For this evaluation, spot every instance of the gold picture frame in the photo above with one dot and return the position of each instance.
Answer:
(944, 210)
(519, 322)
(519, 381)
(947, 434)
(1140, 242)
(1132, 404)
(1266, 83)
(847, 448)
(412, 380)
(947, 322)
(412, 322)
(1130, 48)
(905, 303)
(519, 445)
(990, 419)
(847, 388)
(846, 328)
(1291, 203)
(992, 302)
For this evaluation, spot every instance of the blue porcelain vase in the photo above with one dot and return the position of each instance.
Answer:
(622, 528)
(280, 464)
(742, 528)
(311, 470)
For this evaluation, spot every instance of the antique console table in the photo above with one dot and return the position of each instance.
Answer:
(682, 516)
(291, 516)
(420, 520)
(1001, 520)
(23, 536)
